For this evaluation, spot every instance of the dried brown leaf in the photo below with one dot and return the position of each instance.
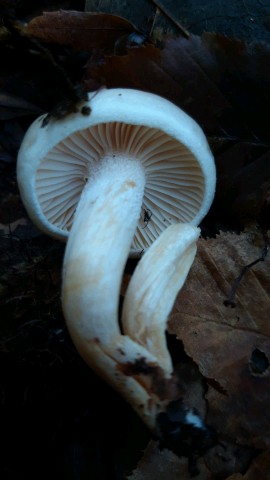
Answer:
(231, 346)
(157, 464)
(260, 469)
(223, 83)
(81, 30)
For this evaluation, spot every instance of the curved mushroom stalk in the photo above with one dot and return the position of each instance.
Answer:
(98, 246)
(96, 253)
(153, 287)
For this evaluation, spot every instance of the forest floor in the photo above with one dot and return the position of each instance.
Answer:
(57, 418)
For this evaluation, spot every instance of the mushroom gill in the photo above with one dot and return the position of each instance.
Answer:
(175, 183)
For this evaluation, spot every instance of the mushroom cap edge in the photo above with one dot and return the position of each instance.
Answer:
(111, 105)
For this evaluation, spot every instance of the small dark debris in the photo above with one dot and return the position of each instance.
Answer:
(147, 216)
(121, 351)
(181, 430)
(85, 110)
(230, 300)
(140, 366)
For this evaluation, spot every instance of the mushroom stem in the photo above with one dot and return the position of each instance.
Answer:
(153, 287)
(96, 253)
(98, 247)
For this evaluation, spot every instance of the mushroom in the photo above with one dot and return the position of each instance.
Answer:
(111, 183)
(152, 290)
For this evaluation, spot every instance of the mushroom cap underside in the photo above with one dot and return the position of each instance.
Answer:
(56, 161)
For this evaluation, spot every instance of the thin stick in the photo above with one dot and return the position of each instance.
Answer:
(230, 300)
(168, 14)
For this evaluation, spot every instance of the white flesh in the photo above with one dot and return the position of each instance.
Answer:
(153, 287)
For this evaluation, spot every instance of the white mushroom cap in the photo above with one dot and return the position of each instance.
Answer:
(54, 162)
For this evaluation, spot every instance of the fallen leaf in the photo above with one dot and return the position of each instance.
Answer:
(231, 346)
(223, 83)
(81, 30)
(221, 461)
(217, 265)
(260, 469)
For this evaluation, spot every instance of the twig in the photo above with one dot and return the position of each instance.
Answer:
(168, 14)
(233, 138)
(230, 300)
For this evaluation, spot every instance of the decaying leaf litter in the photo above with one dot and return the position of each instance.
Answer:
(235, 77)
